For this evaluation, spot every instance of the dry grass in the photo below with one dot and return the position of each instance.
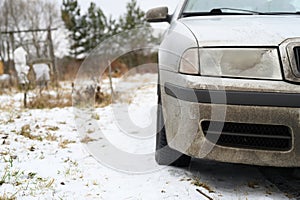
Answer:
(51, 138)
(198, 183)
(5, 197)
(50, 183)
(104, 101)
(50, 101)
(53, 128)
(95, 116)
(84, 101)
(26, 132)
(64, 144)
(87, 140)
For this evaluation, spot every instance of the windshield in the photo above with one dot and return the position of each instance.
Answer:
(262, 6)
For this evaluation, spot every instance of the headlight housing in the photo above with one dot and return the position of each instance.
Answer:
(258, 63)
(189, 63)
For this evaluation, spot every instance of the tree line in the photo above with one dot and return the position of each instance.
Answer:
(84, 30)
(88, 29)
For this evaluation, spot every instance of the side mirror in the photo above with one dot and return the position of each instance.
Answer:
(160, 14)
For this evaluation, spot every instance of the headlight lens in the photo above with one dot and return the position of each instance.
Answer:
(243, 62)
(189, 63)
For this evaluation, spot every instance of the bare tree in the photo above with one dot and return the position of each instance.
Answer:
(19, 15)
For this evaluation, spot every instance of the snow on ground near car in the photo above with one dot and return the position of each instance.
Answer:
(42, 156)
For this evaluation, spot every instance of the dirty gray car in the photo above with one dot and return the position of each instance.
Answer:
(229, 76)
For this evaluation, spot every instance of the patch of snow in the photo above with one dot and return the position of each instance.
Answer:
(42, 72)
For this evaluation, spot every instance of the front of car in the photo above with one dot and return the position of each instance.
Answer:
(229, 81)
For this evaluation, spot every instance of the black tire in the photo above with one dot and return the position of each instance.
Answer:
(164, 154)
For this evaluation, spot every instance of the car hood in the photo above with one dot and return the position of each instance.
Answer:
(243, 30)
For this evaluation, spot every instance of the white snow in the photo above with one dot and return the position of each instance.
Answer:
(56, 165)
(20, 56)
(4, 77)
(20, 65)
(42, 72)
(4, 80)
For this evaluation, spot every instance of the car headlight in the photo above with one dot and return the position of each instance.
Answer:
(261, 63)
(189, 63)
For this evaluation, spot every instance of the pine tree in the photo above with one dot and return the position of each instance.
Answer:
(137, 33)
(89, 30)
(86, 31)
(97, 26)
(113, 27)
(70, 13)
(134, 17)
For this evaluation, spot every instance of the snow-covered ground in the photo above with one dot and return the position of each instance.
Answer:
(44, 155)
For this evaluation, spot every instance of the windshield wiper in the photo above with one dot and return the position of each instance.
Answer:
(253, 12)
(281, 13)
(220, 11)
(239, 11)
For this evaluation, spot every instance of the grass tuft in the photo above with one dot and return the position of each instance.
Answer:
(26, 132)
(6, 197)
(64, 144)
(87, 140)
(50, 101)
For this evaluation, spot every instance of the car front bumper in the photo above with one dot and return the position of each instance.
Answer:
(189, 100)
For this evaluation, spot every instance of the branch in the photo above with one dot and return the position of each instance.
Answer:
(208, 197)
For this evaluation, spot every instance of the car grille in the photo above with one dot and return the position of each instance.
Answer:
(297, 57)
(248, 136)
